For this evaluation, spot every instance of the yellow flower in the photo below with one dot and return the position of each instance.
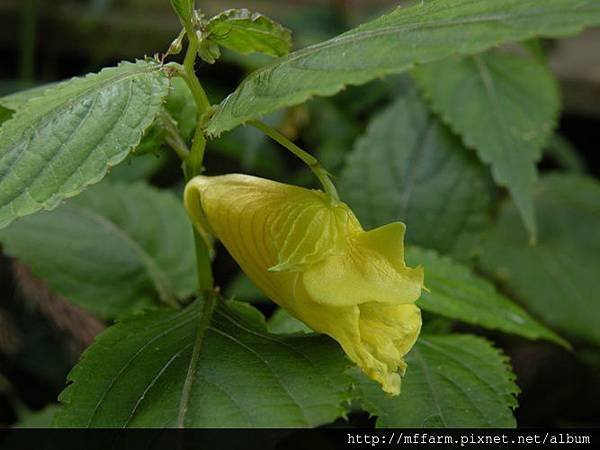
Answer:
(311, 256)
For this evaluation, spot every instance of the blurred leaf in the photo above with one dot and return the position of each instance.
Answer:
(451, 381)
(242, 289)
(395, 42)
(134, 375)
(114, 250)
(5, 114)
(557, 278)
(67, 139)
(38, 419)
(505, 107)
(331, 133)
(184, 9)
(246, 32)
(409, 167)
(565, 154)
(457, 293)
(252, 149)
(281, 322)
(138, 168)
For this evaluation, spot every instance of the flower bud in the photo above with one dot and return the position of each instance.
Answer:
(310, 255)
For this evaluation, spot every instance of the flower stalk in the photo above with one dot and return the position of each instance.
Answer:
(312, 162)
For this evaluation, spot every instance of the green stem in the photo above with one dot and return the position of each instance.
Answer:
(192, 161)
(190, 77)
(307, 158)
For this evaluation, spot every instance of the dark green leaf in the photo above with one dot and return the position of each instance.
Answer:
(5, 114)
(505, 107)
(246, 32)
(114, 249)
(69, 137)
(244, 377)
(38, 419)
(425, 32)
(409, 167)
(557, 278)
(451, 381)
(242, 289)
(456, 292)
(565, 154)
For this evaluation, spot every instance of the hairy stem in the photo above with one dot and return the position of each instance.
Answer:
(307, 158)
(192, 159)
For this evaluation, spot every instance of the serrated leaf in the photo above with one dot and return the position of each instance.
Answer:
(452, 381)
(505, 107)
(69, 137)
(456, 292)
(180, 108)
(114, 250)
(246, 32)
(558, 277)
(18, 99)
(244, 377)
(409, 167)
(393, 43)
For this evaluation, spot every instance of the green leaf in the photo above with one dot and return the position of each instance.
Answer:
(134, 375)
(282, 322)
(181, 110)
(505, 107)
(564, 153)
(38, 419)
(184, 9)
(451, 381)
(5, 114)
(558, 277)
(138, 168)
(246, 32)
(114, 250)
(409, 167)
(181, 106)
(68, 138)
(393, 43)
(456, 292)
(242, 289)
(18, 99)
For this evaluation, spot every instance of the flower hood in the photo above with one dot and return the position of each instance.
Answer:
(311, 256)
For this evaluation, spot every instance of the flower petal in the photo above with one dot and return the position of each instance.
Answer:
(296, 227)
(372, 270)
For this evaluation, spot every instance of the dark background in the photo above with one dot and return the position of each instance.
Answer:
(41, 41)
